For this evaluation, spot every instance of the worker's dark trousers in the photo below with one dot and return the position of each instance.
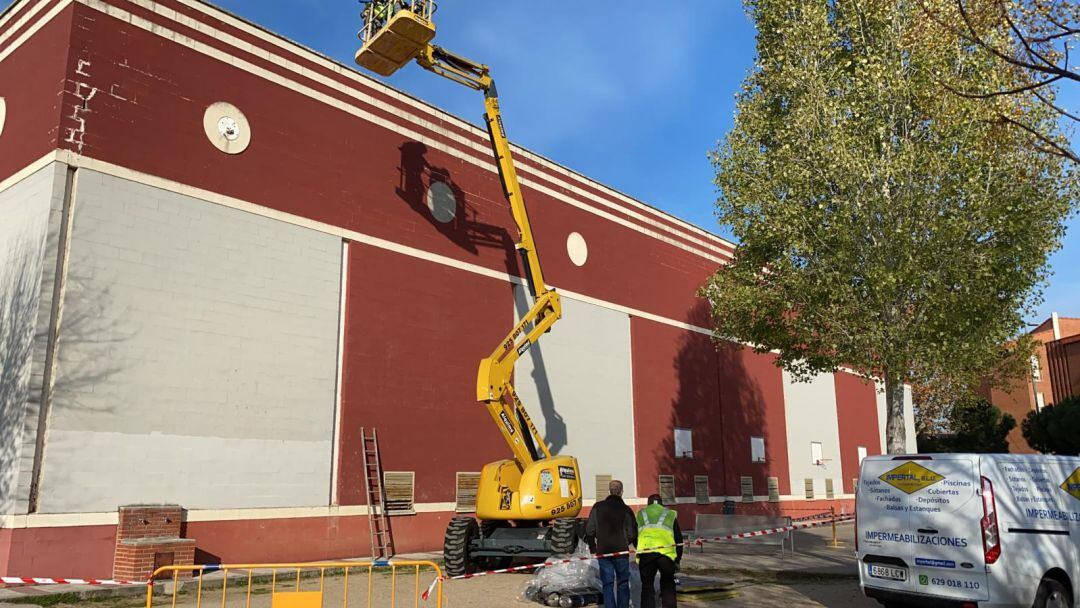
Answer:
(649, 564)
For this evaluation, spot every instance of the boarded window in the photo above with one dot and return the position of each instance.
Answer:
(603, 487)
(746, 483)
(774, 489)
(701, 489)
(809, 483)
(667, 489)
(829, 488)
(684, 443)
(467, 486)
(757, 449)
(399, 487)
(815, 452)
(862, 454)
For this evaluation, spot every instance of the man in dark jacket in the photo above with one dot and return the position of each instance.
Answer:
(612, 527)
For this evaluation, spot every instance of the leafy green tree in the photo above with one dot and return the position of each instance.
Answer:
(974, 426)
(935, 396)
(882, 224)
(1055, 429)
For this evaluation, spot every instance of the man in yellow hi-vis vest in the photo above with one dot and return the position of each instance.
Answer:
(659, 549)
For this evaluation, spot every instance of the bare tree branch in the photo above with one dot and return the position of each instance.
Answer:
(1056, 108)
(1046, 67)
(1023, 89)
(1021, 37)
(1052, 146)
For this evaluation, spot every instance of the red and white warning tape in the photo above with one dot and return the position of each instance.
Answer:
(15, 580)
(840, 519)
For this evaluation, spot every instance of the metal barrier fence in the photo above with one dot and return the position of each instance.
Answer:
(312, 585)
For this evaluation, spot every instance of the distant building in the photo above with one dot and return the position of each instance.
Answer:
(1063, 363)
(1059, 335)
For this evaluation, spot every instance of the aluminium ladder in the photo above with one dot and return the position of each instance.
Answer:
(382, 543)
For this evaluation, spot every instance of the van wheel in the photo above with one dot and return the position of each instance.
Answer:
(1052, 594)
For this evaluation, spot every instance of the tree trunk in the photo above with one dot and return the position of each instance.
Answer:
(895, 431)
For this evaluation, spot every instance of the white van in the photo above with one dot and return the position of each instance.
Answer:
(969, 530)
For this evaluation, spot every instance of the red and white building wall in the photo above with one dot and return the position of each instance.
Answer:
(206, 319)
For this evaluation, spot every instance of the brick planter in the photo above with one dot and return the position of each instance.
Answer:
(148, 537)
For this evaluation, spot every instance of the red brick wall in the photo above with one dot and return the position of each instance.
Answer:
(138, 561)
(675, 385)
(857, 416)
(414, 335)
(86, 551)
(363, 177)
(65, 552)
(752, 402)
(1017, 400)
(33, 79)
(148, 521)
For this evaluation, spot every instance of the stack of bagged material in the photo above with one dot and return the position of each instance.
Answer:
(566, 585)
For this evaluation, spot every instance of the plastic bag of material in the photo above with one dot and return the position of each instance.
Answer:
(576, 583)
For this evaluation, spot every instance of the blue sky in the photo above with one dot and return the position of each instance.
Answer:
(634, 98)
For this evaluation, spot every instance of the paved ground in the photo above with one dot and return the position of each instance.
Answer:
(501, 592)
(831, 594)
(816, 575)
(813, 553)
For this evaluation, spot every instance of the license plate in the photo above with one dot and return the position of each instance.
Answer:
(887, 572)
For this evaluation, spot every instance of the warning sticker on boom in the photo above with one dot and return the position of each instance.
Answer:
(911, 477)
(506, 422)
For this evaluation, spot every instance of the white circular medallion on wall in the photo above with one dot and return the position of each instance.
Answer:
(3, 114)
(227, 128)
(577, 249)
(442, 202)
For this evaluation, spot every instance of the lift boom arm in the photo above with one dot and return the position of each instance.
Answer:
(493, 382)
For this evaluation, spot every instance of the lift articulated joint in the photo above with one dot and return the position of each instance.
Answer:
(460, 69)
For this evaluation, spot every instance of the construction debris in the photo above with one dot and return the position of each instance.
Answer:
(571, 584)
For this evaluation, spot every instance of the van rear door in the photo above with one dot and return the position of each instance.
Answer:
(919, 525)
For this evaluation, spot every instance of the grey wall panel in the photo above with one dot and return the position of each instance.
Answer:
(909, 422)
(24, 222)
(577, 387)
(198, 354)
(810, 408)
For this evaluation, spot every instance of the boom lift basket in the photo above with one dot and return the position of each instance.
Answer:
(388, 46)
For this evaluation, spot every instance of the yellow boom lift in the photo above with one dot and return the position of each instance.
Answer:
(526, 506)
